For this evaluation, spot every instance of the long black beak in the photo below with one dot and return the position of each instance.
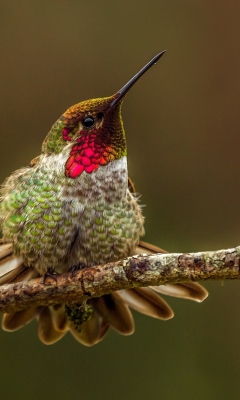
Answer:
(121, 93)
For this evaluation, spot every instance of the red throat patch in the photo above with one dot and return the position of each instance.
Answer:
(87, 155)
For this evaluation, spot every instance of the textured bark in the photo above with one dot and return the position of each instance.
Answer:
(143, 270)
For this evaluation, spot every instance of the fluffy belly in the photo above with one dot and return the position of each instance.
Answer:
(107, 233)
(56, 222)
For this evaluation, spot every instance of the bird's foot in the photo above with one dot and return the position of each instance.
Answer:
(77, 267)
(50, 273)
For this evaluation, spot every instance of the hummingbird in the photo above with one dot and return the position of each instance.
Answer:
(74, 207)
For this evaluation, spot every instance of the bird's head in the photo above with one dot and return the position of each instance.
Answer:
(95, 130)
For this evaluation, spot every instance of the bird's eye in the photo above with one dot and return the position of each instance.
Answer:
(88, 122)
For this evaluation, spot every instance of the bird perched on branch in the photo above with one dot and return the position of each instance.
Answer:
(72, 208)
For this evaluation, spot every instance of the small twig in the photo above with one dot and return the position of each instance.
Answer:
(143, 270)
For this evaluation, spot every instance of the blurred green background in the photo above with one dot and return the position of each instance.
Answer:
(183, 130)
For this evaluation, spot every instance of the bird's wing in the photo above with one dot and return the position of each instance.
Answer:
(12, 269)
(191, 290)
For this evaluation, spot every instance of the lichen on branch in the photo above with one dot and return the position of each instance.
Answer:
(140, 270)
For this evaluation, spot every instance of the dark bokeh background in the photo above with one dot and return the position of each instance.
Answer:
(183, 130)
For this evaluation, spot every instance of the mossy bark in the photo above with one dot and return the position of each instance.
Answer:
(141, 270)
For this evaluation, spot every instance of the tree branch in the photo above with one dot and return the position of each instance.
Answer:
(141, 270)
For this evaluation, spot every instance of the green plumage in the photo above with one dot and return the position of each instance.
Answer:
(58, 222)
